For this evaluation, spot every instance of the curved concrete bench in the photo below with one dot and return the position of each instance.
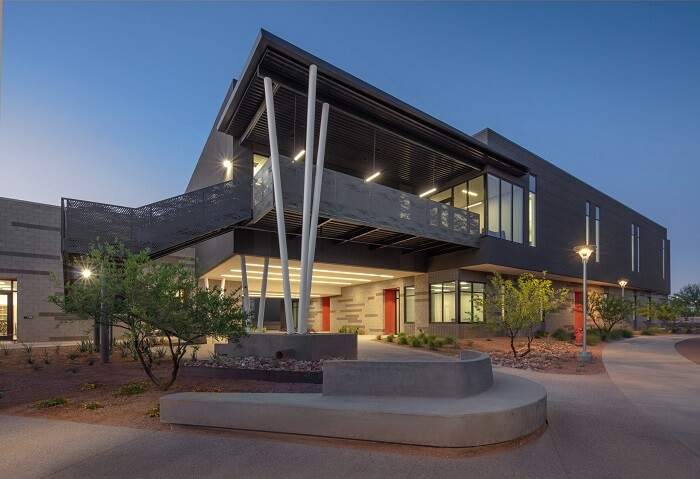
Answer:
(412, 378)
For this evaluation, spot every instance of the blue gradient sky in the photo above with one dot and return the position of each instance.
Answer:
(113, 101)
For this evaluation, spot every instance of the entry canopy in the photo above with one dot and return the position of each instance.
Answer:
(412, 148)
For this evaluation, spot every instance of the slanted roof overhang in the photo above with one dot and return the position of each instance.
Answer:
(412, 148)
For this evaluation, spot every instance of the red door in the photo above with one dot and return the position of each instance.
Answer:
(326, 313)
(578, 310)
(389, 311)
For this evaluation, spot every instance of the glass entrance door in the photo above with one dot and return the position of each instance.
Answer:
(6, 315)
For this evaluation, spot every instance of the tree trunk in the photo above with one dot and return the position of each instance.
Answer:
(529, 342)
(146, 367)
(512, 346)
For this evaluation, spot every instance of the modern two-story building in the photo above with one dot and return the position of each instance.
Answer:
(411, 218)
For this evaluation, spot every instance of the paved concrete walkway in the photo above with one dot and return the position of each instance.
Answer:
(369, 348)
(660, 382)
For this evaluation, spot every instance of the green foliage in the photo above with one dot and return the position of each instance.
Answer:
(93, 405)
(27, 349)
(515, 307)
(133, 388)
(89, 386)
(434, 344)
(390, 338)
(650, 331)
(540, 334)
(415, 341)
(689, 297)
(47, 358)
(36, 367)
(30, 359)
(86, 346)
(47, 403)
(563, 335)
(347, 329)
(403, 339)
(592, 337)
(450, 340)
(72, 355)
(379, 337)
(193, 355)
(5, 350)
(619, 333)
(607, 311)
(160, 353)
(668, 311)
(154, 411)
(149, 298)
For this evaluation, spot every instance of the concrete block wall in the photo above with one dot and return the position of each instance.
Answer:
(30, 253)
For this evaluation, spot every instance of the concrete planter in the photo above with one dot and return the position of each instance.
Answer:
(312, 377)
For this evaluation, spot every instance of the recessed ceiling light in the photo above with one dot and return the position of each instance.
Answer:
(475, 204)
(470, 193)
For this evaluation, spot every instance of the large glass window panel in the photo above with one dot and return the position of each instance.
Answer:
(477, 200)
(258, 162)
(409, 304)
(443, 196)
(477, 301)
(517, 214)
(494, 206)
(448, 302)
(459, 196)
(436, 303)
(531, 225)
(506, 210)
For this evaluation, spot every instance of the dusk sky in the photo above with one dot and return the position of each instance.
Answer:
(113, 101)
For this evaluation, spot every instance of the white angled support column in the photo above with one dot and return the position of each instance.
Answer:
(306, 206)
(279, 204)
(263, 293)
(244, 287)
(223, 286)
(206, 283)
(318, 182)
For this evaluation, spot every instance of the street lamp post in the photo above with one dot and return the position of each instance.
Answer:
(585, 252)
(101, 338)
(622, 282)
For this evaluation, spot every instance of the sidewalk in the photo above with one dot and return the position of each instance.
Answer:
(660, 382)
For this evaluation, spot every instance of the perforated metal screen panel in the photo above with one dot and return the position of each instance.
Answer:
(160, 227)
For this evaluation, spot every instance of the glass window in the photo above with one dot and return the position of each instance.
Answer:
(588, 215)
(477, 200)
(597, 234)
(494, 192)
(517, 214)
(638, 251)
(409, 304)
(443, 197)
(532, 211)
(469, 296)
(632, 246)
(258, 162)
(442, 302)
(506, 210)
(663, 259)
(459, 196)
(448, 302)
(436, 303)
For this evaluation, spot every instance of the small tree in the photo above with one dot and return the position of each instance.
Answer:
(607, 311)
(667, 312)
(149, 298)
(689, 295)
(512, 308)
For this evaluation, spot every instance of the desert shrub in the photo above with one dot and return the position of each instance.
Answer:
(72, 355)
(160, 353)
(27, 349)
(30, 359)
(469, 343)
(402, 333)
(403, 339)
(89, 386)
(450, 340)
(563, 335)
(133, 388)
(47, 403)
(193, 354)
(592, 339)
(434, 344)
(36, 367)
(650, 331)
(379, 337)
(347, 329)
(90, 360)
(415, 341)
(47, 358)
(93, 405)
(540, 334)
(74, 368)
(619, 333)
(5, 350)
(689, 331)
(57, 349)
(390, 338)
(154, 411)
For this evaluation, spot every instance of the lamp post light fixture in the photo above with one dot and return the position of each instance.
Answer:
(585, 252)
(86, 273)
(622, 282)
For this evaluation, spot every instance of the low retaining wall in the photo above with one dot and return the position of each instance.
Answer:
(430, 379)
(312, 377)
(308, 347)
